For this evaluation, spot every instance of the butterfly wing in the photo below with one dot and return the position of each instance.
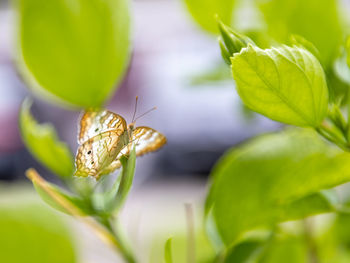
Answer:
(97, 153)
(93, 123)
(145, 140)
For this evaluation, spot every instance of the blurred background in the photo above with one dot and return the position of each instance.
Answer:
(172, 60)
(175, 66)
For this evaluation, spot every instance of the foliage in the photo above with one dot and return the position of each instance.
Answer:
(31, 233)
(290, 71)
(204, 12)
(274, 178)
(309, 19)
(75, 51)
(42, 141)
(266, 81)
(298, 76)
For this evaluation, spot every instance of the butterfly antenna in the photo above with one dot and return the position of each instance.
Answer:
(133, 116)
(143, 114)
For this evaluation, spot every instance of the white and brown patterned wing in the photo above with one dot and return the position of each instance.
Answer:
(144, 139)
(98, 153)
(93, 123)
(147, 140)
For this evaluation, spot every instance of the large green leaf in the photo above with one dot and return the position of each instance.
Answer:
(264, 181)
(31, 233)
(308, 18)
(76, 50)
(204, 11)
(42, 142)
(286, 84)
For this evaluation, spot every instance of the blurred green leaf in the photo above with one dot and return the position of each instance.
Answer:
(204, 12)
(216, 74)
(115, 198)
(286, 249)
(317, 21)
(58, 198)
(76, 50)
(167, 251)
(41, 140)
(263, 181)
(286, 84)
(317, 203)
(31, 233)
(244, 252)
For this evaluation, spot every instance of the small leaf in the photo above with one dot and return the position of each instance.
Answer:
(286, 84)
(167, 251)
(56, 197)
(41, 140)
(76, 50)
(274, 178)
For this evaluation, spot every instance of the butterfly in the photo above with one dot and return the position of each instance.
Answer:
(104, 137)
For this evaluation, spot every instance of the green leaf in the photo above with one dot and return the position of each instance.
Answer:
(264, 181)
(302, 42)
(317, 203)
(32, 233)
(167, 251)
(74, 50)
(58, 198)
(244, 252)
(42, 141)
(117, 196)
(307, 18)
(204, 12)
(286, 84)
(287, 249)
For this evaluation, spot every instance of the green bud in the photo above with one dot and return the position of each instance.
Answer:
(224, 53)
(231, 42)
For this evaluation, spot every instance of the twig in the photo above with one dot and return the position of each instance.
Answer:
(191, 242)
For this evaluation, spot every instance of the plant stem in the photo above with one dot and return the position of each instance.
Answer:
(191, 242)
(313, 253)
(121, 248)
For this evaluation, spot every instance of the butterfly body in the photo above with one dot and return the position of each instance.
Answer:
(104, 137)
